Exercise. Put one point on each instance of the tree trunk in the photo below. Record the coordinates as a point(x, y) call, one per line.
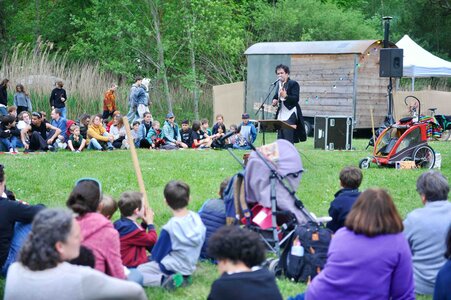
point(189, 27)
point(162, 66)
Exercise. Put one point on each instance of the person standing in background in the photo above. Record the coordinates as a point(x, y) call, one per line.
point(109, 102)
point(4, 97)
point(58, 98)
point(22, 99)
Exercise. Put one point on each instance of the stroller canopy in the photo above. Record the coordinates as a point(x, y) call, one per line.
point(285, 159)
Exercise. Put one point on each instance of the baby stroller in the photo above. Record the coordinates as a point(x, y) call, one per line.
point(404, 141)
point(262, 196)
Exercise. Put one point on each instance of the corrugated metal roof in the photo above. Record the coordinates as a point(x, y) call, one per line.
point(316, 47)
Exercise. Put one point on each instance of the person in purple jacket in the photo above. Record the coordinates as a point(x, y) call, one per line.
point(369, 258)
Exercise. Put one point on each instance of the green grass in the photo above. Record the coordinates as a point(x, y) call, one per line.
point(48, 178)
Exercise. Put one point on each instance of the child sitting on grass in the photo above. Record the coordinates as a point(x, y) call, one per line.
point(239, 253)
point(213, 215)
point(107, 207)
point(177, 250)
point(136, 239)
point(76, 141)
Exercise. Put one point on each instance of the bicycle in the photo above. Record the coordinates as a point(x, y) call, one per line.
point(444, 122)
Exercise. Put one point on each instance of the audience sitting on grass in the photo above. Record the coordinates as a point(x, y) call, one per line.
point(425, 229)
point(217, 142)
point(84, 122)
point(9, 134)
point(40, 135)
point(204, 127)
point(350, 180)
point(119, 133)
point(107, 206)
point(239, 253)
point(369, 258)
point(247, 134)
point(135, 133)
point(43, 272)
point(442, 290)
point(143, 131)
point(200, 139)
point(98, 137)
point(219, 123)
point(76, 142)
point(177, 250)
point(60, 123)
point(15, 219)
point(136, 239)
point(186, 134)
point(213, 215)
point(98, 232)
point(155, 138)
point(24, 120)
point(171, 132)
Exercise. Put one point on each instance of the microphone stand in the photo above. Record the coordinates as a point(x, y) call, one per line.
point(262, 107)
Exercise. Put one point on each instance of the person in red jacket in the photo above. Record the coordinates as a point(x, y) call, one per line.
point(136, 239)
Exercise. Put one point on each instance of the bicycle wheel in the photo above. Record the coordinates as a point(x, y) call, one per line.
point(424, 157)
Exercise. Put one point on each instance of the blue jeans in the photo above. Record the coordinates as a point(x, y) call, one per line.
point(94, 144)
point(9, 143)
point(63, 112)
point(135, 276)
point(21, 231)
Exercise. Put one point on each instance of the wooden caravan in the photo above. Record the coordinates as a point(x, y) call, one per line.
point(337, 78)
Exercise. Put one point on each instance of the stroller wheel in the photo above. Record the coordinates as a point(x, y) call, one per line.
point(273, 266)
point(364, 163)
point(424, 157)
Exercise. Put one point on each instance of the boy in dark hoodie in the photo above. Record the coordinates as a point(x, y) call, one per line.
point(350, 180)
point(9, 134)
point(135, 238)
point(177, 250)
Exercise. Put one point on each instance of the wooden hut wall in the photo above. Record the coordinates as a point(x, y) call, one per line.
point(327, 83)
point(371, 89)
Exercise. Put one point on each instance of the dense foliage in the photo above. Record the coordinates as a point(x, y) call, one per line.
point(156, 37)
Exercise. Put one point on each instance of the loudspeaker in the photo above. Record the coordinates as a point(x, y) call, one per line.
point(391, 62)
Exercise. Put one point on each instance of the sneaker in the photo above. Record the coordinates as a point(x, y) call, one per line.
point(110, 148)
point(172, 282)
point(187, 281)
point(51, 148)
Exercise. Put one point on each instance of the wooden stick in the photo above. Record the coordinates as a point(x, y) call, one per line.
point(372, 126)
point(134, 155)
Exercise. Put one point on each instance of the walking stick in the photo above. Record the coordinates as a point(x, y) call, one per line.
point(134, 155)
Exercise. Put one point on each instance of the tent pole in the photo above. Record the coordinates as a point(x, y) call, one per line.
point(413, 84)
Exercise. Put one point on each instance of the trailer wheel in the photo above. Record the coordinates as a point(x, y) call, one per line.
point(424, 157)
point(308, 128)
point(365, 163)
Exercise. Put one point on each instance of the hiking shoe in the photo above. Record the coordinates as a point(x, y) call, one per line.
point(172, 282)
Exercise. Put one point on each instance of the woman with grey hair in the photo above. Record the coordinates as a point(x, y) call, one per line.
point(43, 273)
point(425, 229)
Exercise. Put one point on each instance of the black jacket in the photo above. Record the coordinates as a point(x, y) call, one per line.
point(291, 101)
point(340, 207)
point(55, 98)
point(10, 213)
point(3, 96)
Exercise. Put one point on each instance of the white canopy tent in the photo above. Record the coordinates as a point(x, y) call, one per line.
point(418, 62)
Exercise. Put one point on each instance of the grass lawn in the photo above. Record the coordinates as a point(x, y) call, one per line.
point(48, 178)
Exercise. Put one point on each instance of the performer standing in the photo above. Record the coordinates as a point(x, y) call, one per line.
point(287, 101)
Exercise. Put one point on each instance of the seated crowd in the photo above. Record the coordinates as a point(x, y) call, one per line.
point(33, 132)
point(81, 253)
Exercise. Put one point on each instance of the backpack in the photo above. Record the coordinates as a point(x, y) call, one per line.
point(306, 252)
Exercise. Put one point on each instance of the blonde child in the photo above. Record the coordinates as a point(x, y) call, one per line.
point(76, 141)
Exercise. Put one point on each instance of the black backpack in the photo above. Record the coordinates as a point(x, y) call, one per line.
point(306, 252)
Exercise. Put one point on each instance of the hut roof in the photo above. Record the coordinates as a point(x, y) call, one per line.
point(316, 47)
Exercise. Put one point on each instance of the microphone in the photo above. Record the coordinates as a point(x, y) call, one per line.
point(278, 79)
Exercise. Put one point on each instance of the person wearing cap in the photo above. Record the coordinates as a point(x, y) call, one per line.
point(171, 132)
point(286, 99)
point(247, 134)
point(41, 134)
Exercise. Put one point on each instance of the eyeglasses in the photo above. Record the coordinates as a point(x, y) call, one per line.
point(88, 179)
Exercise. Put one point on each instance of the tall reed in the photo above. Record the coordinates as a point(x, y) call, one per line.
point(86, 84)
